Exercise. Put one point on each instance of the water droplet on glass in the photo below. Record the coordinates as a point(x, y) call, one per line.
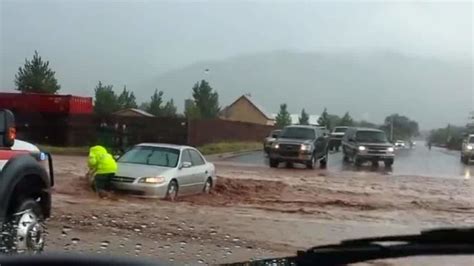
point(227, 236)
point(169, 234)
point(75, 240)
point(171, 259)
point(201, 261)
point(143, 225)
point(182, 243)
point(213, 233)
point(137, 230)
point(104, 244)
point(94, 217)
point(236, 239)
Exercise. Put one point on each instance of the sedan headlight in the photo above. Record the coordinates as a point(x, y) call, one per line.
point(153, 180)
point(361, 148)
point(469, 147)
point(390, 149)
point(276, 146)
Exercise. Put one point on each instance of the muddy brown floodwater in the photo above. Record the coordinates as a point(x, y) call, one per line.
point(254, 212)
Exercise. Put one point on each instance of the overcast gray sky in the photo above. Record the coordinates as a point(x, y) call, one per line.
point(132, 42)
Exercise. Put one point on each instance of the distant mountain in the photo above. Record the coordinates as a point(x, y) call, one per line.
point(370, 85)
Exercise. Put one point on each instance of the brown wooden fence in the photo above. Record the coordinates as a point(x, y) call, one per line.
point(215, 130)
point(85, 130)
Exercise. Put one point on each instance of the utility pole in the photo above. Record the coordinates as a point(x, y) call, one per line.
point(391, 128)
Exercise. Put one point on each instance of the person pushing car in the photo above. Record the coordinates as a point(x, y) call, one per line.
point(102, 168)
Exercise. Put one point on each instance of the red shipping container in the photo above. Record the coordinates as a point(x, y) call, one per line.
point(46, 103)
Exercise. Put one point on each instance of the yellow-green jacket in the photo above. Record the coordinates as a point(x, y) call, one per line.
point(101, 161)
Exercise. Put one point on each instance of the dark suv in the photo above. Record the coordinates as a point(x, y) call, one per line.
point(367, 144)
point(300, 144)
point(25, 191)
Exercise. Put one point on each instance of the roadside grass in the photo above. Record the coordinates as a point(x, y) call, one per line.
point(207, 149)
point(225, 147)
point(83, 150)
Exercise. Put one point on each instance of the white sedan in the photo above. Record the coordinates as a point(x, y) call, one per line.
point(163, 171)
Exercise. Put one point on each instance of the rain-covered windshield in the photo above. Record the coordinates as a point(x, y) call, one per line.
point(297, 133)
point(371, 136)
point(160, 119)
point(157, 156)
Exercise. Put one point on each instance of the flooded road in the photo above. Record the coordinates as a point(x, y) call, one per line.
point(257, 212)
point(420, 161)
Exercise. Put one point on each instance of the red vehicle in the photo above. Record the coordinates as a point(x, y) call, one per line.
point(45, 103)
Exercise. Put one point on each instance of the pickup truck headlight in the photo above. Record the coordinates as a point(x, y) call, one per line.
point(153, 180)
point(390, 149)
point(276, 146)
point(469, 147)
point(305, 147)
point(362, 148)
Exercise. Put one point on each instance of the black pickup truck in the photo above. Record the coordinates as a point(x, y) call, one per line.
point(25, 191)
point(300, 144)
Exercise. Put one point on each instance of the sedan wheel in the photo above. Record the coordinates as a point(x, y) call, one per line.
point(207, 186)
point(172, 192)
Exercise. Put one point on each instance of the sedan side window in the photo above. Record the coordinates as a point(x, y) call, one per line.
point(185, 157)
point(196, 158)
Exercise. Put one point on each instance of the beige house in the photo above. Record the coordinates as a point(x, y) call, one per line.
point(133, 112)
point(244, 109)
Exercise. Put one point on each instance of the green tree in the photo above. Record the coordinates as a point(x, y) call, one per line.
point(403, 127)
point(154, 106)
point(450, 136)
point(324, 119)
point(170, 109)
point(304, 118)
point(206, 100)
point(283, 117)
point(367, 124)
point(346, 120)
point(333, 120)
point(191, 111)
point(126, 99)
point(36, 76)
point(105, 101)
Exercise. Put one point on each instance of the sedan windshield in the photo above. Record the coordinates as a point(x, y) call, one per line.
point(371, 136)
point(159, 156)
point(297, 133)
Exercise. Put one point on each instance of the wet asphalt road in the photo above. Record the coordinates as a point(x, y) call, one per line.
point(420, 161)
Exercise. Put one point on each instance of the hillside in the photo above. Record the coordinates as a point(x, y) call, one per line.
point(369, 85)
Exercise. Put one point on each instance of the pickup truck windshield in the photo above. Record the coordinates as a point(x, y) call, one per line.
point(340, 129)
point(297, 133)
point(371, 136)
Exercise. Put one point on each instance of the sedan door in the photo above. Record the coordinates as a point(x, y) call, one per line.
point(185, 175)
point(201, 171)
